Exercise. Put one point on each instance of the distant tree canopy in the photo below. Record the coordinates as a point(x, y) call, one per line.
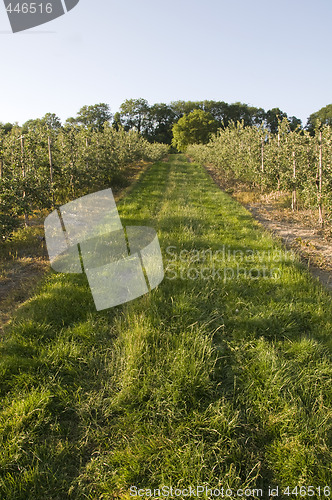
point(196, 127)
point(117, 121)
point(51, 120)
point(321, 117)
point(6, 127)
point(161, 120)
point(155, 122)
point(92, 117)
point(134, 114)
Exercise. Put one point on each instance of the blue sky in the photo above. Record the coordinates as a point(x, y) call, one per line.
point(261, 52)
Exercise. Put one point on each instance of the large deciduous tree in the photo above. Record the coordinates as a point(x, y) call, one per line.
point(50, 121)
point(134, 114)
point(6, 127)
point(273, 116)
point(195, 128)
point(93, 117)
point(321, 117)
point(161, 118)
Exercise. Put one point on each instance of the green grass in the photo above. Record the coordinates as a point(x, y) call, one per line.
point(221, 380)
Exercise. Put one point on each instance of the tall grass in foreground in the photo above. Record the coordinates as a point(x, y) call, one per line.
point(221, 376)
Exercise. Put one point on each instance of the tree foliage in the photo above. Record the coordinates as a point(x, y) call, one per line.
point(155, 122)
point(321, 117)
point(288, 160)
point(134, 114)
point(195, 128)
point(44, 164)
point(93, 117)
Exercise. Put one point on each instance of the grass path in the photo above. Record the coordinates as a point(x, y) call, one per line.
point(220, 377)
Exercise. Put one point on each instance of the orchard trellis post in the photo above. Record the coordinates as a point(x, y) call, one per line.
point(294, 200)
point(1, 156)
point(278, 160)
point(49, 143)
point(320, 181)
point(26, 218)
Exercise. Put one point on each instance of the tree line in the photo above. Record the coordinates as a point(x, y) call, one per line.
point(155, 122)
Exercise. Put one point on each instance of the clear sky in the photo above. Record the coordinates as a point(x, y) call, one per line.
point(261, 52)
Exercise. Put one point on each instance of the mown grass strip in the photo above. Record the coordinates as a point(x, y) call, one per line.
point(220, 377)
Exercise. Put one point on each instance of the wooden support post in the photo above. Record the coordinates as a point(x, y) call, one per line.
point(262, 156)
point(320, 181)
point(294, 200)
point(26, 218)
point(51, 168)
